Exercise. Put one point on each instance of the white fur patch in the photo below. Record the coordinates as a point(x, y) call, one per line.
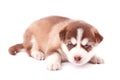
point(53, 61)
point(79, 36)
point(84, 41)
point(73, 41)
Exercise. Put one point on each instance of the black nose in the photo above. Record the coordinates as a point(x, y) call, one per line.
point(77, 58)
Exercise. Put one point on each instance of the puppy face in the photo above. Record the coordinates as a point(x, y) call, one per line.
point(78, 42)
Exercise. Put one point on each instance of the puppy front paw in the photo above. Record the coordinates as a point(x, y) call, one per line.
point(96, 60)
point(53, 61)
point(54, 66)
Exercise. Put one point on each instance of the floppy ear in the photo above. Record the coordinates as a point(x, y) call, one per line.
point(98, 37)
point(62, 34)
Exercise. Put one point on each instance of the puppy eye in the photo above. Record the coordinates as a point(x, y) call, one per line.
point(70, 45)
point(87, 46)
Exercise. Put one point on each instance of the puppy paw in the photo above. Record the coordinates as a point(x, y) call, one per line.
point(54, 66)
point(53, 61)
point(96, 60)
point(38, 55)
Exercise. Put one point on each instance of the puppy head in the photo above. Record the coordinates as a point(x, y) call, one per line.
point(78, 41)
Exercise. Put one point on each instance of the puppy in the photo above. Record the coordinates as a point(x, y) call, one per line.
point(59, 39)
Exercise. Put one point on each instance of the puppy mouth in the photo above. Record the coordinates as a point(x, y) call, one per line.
point(79, 62)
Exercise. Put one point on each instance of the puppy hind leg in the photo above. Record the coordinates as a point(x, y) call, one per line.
point(35, 52)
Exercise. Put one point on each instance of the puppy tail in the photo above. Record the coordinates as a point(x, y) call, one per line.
point(13, 50)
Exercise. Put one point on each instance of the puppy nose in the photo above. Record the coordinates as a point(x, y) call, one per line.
point(77, 58)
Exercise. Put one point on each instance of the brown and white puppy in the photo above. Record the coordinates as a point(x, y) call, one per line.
point(59, 39)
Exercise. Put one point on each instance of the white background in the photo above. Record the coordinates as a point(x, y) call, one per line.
point(17, 15)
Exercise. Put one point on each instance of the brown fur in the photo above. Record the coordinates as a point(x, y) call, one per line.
point(49, 31)
point(15, 49)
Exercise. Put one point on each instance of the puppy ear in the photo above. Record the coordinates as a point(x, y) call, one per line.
point(62, 34)
point(98, 37)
